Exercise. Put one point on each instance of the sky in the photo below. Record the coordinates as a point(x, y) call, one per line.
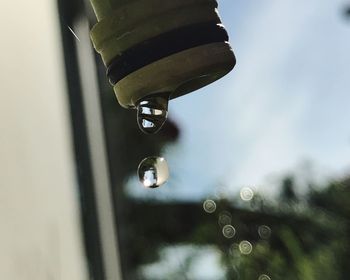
point(284, 108)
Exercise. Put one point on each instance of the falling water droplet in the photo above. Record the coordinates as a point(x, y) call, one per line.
point(264, 277)
point(246, 194)
point(225, 218)
point(209, 206)
point(245, 247)
point(264, 232)
point(234, 249)
point(229, 231)
point(152, 112)
point(153, 172)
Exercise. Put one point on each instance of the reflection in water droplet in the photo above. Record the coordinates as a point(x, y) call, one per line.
point(209, 206)
point(152, 112)
point(229, 231)
point(153, 172)
point(225, 218)
point(264, 232)
point(264, 277)
point(246, 194)
point(245, 247)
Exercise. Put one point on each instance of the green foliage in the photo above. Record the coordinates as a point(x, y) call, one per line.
point(309, 240)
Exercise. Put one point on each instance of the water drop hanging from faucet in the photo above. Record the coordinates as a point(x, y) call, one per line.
point(152, 113)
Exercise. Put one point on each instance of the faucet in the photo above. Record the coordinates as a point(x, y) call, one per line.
point(157, 50)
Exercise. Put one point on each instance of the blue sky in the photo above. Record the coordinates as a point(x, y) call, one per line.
point(286, 102)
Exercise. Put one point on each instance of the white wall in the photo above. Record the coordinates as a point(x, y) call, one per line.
point(40, 231)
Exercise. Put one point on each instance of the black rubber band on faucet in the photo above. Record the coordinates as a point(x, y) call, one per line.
point(164, 45)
